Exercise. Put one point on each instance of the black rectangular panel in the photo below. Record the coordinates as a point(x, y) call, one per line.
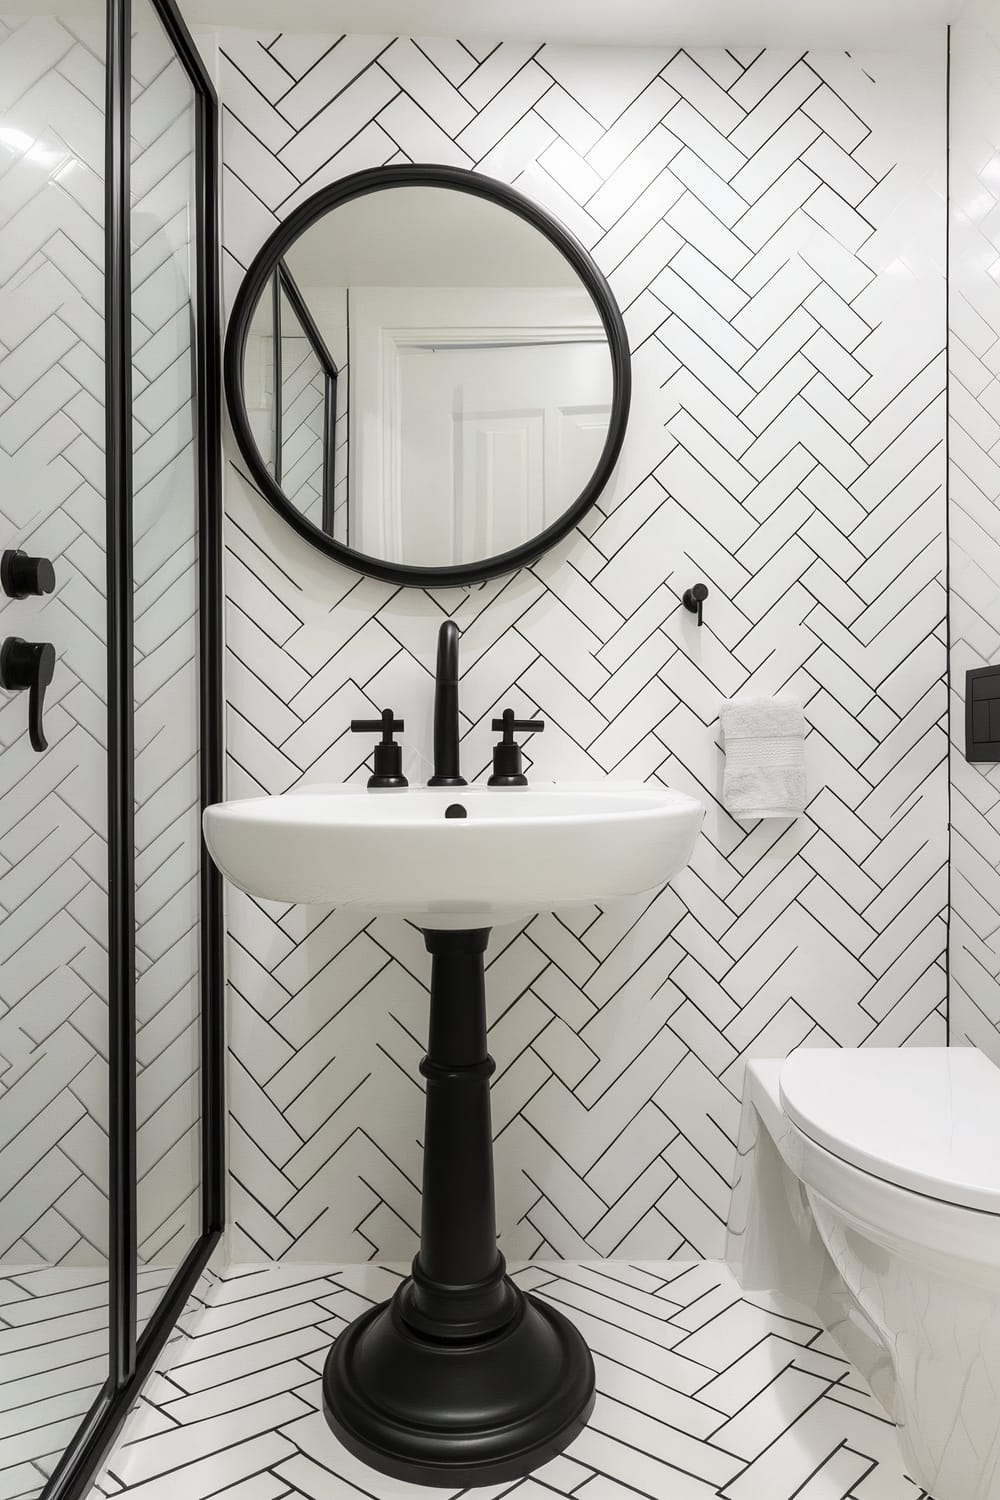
point(982, 714)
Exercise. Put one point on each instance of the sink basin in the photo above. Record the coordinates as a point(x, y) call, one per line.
point(517, 850)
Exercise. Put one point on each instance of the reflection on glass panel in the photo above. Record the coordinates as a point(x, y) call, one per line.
point(165, 582)
point(296, 434)
point(258, 378)
point(303, 416)
point(53, 837)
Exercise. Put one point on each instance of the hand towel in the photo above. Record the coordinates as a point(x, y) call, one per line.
point(765, 774)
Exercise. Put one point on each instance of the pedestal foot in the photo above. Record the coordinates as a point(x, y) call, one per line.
point(459, 1413)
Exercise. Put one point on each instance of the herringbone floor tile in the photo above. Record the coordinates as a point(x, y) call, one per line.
point(702, 1393)
point(54, 1348)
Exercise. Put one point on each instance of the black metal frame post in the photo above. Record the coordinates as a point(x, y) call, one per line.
point(277, 361)
point(461, 1379)
point(132, 1358)
point(121, 737)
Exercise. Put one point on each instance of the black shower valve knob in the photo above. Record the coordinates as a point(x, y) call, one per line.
point(21, 575)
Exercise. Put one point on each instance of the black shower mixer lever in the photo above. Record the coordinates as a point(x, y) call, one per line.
point(29, 665)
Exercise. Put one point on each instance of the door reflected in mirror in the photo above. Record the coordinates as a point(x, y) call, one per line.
point(427, 378)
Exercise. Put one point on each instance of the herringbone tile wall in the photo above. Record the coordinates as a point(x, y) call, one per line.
point(974, 431)
point(774, 229)
point(53, 852)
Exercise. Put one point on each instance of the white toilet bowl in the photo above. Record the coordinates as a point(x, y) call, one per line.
point(869, 1188)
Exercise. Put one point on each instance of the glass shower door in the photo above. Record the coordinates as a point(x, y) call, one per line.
point(54, 1317)
point(165, 524)
point(111, 1066)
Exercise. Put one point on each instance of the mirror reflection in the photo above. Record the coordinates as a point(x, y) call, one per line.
point(426, 377)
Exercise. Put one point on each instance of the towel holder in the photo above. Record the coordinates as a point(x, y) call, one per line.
point(694, 598)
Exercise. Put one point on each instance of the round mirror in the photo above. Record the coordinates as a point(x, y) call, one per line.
point(427, 375)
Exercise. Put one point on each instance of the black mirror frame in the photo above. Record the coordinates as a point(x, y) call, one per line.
point(262, 268)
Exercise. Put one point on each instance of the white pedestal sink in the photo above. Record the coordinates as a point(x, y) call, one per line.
point(460, 1379)
point(516, 850)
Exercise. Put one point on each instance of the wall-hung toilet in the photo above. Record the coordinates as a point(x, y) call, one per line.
point(868, 1188)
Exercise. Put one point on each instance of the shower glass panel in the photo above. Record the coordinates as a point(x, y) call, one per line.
point(165, 523)
point(111, 982)
point(54, 1090)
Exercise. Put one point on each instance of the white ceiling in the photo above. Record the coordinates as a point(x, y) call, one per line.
point(855, 23)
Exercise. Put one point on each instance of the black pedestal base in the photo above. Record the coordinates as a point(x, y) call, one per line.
point(446, 1412)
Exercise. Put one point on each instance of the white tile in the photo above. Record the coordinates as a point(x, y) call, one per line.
point(318, 79)
point(746, 310)
point(427, 86)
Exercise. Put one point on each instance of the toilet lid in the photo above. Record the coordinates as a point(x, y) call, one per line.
point(924, 1118)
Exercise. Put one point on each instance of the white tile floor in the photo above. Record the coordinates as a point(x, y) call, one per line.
point(53, 1362)
point(702, 1393)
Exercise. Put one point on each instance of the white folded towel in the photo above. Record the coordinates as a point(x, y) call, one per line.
point(765, 773)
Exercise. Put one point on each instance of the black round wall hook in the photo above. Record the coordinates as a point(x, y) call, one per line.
point(694, 598)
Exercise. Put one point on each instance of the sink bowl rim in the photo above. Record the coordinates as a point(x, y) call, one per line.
point(350, 848)
point(658, 801)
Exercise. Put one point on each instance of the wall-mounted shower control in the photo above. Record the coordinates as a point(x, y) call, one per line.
point(21, 575)
point(29, 665)
point(388, 760)
point(508, 768)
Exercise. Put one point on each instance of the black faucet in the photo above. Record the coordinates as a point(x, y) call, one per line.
point(446, 766)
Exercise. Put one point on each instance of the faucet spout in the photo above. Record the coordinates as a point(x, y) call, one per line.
point(446, 760)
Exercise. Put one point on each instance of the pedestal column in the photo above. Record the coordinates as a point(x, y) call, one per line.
point(458, 1287)
point(460, 1379)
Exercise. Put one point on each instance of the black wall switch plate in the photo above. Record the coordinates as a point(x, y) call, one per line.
point(982, 714)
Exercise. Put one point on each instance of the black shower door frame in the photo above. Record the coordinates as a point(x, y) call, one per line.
point(132, 1356)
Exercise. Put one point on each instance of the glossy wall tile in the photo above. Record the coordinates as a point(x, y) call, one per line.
point(974, 479)
point(774, 228)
